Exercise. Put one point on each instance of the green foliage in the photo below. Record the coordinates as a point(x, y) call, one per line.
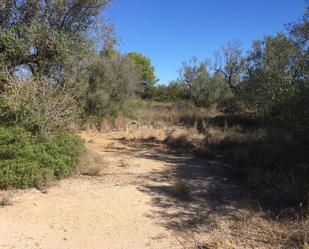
point(47, 34)
point(270, 85)
point(36, 104)
point(113, 80)
point(18, 173)
point(145, 70)
point(276, 89)
point(195, 84)
point(25, 157)
point(230, 105)
point(173, 92)
point(300, 31)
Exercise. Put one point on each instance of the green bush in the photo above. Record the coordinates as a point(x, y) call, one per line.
point(18, 173)
point(25, 157)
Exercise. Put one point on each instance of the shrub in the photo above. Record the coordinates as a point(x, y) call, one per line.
point(183, 141)
point(26, 157)
point(44, 181)
point(60, 154)
point(36, 104)
point(5, 201)
point(181, 190)
point(113, 81)
point(18, 173)
point(91, 164)
point(276, 162)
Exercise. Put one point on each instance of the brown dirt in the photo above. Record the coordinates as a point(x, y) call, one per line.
point(132, 205)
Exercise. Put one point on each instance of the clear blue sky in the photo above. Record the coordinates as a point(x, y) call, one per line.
point(171, 31)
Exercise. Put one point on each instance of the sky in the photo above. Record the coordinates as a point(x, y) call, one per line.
point(172, 31)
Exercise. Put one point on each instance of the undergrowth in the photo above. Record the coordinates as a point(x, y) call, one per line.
point(27, 158)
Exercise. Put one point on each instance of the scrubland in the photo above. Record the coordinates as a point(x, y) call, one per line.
point(94, 153)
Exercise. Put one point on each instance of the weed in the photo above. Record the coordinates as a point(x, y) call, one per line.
point(44, 181)
point(5, 201)
point(181, 190)
point(91, 164)
point(93, 171)
point(179, 142)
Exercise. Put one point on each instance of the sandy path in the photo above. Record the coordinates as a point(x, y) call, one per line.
point(86, 212)
point(133, 204)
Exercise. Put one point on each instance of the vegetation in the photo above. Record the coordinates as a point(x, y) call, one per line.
point(112, 81)
point(43, 61)
point(53, 72)
point(145, 71)
point(266, 95)
point(59, 66)
point(25, 157)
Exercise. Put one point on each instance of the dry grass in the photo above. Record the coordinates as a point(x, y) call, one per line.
point(254, 226)
point(248, 227)
point(276, 233)
point(114, 146)
point(200, 131)
point(91, 164)
point(160, 115)
point(183, 141)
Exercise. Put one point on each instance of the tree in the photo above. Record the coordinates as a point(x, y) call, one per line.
point(113, 80)
point(231, 64)
point(273, 75)
point(192, 74)
point(37, 105)
point(300, 30)
point(199, 85)
point(145, 69)
point(43, 36)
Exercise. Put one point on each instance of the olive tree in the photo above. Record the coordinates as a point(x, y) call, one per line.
point(113, 79)
point(43, 35)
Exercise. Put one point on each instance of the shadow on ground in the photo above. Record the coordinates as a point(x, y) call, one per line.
point(211, 188)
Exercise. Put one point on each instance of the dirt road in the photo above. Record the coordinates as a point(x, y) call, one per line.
point(132, 205)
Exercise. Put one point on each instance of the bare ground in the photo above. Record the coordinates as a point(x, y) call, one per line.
point(133, 204)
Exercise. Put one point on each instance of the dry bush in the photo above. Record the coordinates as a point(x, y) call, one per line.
point(181, 190)
point(253, 226)
point(93, 171)
point(89, 126)
point(5, 201)
point(44, 181)
point(181, 141)
point(120, 122)
point(287, 233)
point(191, 140)
point(105, 126)
point(37, 104)
point(91, 164)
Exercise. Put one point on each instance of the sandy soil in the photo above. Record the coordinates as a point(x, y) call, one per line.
point(132, 205)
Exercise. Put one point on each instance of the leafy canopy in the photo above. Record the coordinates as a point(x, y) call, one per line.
point(145, 69)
